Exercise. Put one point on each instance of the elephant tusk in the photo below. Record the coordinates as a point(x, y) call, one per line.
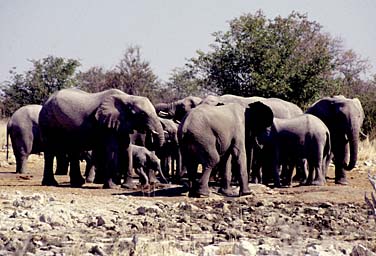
point(154, 132)
point(365, 136)
point(162, 114)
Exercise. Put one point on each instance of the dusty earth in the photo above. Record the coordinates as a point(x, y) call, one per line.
point(302, 220)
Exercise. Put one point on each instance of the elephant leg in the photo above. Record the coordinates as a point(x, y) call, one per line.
point(21, 161)
point(239, 158)
point(225, 188)
point(90, 173)
point(128, 163)
point(203, 185)
point(48, 175)
point(339, 163)
point(62, 164)
point(76, 179)
point(144, 180)
point(319, 177)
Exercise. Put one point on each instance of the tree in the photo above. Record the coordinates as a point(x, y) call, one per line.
point(182, 83)
point(47, 75)
point(290, 58)
point(132, 75)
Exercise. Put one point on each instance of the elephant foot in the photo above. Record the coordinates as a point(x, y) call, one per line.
point(245, 192)
point(226, 192)
point(89, 179)
point(128, 183)
point(109, 184)
point(77, 183)
point(23, 172)
point(342, 181)
point(197, 195)
point(49, 182)
point(318, 183)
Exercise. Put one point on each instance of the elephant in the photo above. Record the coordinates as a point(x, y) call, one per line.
point(208, 135)
point(23, 130)
point(344, 118)
point(178, 109)
point(144, 162)
point(72, 121)
point(280, 108)
point(169, 153)
point(289, 141)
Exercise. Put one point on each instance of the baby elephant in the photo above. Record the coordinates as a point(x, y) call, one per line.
point(146, 164)
point(289, 141)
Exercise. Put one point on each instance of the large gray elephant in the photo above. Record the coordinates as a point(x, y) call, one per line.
point(23, 130)
point(178, 109)
point(208, 135)
point(72, 121)
point(281, 109)
point(344, 118)
point(289, 141)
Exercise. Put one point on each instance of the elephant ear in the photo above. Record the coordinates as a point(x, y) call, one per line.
point(111, 113)
point(261, 117)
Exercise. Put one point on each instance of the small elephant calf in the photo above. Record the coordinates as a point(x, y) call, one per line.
point(145, 163)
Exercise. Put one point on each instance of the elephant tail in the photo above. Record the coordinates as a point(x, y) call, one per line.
point(7, 134)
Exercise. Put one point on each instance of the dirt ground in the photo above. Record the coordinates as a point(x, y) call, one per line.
point(352, 193)
point(334, 217)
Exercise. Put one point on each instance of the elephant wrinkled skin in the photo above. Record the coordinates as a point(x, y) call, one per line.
point(344, 118)
point(209, 135)
point(72, 121)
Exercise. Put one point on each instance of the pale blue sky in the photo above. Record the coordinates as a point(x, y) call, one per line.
point(168, 31)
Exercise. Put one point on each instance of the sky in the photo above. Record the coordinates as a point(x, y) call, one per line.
point(169, 32)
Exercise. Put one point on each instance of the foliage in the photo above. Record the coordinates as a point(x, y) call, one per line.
point(132, 75)
point(182, 83)
point(47, 75)
point(289, 58)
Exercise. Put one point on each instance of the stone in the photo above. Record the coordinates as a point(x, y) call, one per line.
point(210, 250)
point(361, 250)
point(245, 248)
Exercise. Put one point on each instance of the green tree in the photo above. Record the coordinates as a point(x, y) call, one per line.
point(132, 75)
point(182, 83)
point(290, 58)
point(47, 75)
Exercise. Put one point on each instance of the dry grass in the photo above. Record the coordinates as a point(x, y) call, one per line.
point(3, 132)
point(367, 150)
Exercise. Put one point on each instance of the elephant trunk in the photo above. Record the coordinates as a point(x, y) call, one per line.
point(353, 137)
point(156, 128)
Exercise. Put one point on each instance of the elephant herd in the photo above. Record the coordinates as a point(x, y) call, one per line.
point(233, 138)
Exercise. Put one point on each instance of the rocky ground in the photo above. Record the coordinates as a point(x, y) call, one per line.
point(328, 220)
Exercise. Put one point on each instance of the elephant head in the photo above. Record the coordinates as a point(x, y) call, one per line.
point(344, 118)
point(258, 118)
point(177, 109)
point(126, 113)
point(350, 112)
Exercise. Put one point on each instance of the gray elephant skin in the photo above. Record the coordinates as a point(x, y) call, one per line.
point(72, 121)
point(145, 163)
point(289, 141)
point(178, 109)
point(344, 118)
point(280, 108)
point(208, 135)
point(23, 130)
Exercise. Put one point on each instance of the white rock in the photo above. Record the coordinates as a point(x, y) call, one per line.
point(210, 250)
point(361, 250)
point(244, 247)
